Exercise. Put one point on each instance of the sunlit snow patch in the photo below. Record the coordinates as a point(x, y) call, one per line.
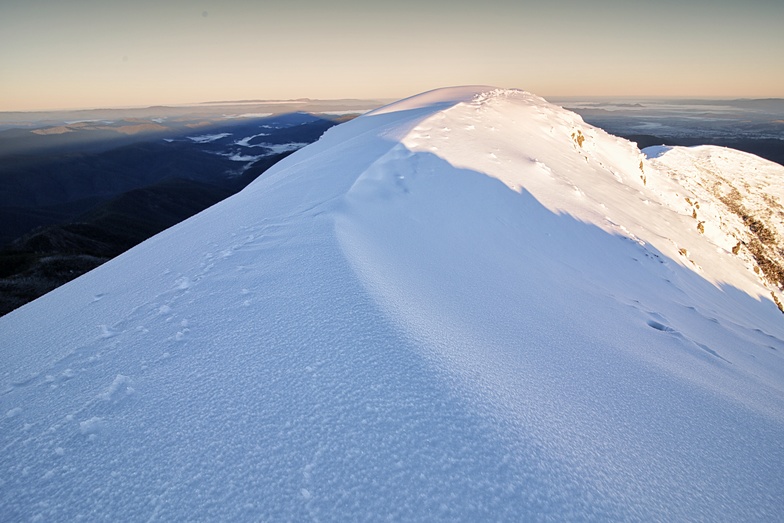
point(247, 115)
point(245, 142)
point(236, 157)
point(344, 112)
point(207, 138)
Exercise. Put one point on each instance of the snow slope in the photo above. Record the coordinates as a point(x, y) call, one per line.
point(468, 305)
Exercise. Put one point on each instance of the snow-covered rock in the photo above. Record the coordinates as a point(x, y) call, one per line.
point(467, 305)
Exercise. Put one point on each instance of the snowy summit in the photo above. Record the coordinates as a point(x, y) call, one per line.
point(467, 305)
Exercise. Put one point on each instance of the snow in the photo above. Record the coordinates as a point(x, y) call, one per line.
point(236, 157)
point(207, 138)
point(271, 148)
point(343, 112)
point(469, 305)
point(245, 142)
point(434, 100)
point(249, 115)
point(278, 148)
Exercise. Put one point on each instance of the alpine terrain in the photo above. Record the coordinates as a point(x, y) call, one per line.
point(466, 305)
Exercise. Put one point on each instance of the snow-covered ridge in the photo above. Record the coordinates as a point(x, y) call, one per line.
point(521, 139)
point(736, 200)
point(467, 305)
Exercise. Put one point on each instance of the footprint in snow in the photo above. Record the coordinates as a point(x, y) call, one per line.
point(659, 326)
point(164, 309)
point(92, 427)
point(665, 328)
point(107, 332)
point(181, 334)
point(118, 390)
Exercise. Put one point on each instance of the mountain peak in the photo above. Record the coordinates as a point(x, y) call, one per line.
point(572, 167)
point(469, 304)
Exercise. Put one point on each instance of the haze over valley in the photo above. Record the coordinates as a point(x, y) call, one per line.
point(79, 188)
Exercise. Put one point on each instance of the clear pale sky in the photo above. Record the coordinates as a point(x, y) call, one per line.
point(101, 53)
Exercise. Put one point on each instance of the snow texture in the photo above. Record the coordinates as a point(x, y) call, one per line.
point(248, 115)
point(468, 305)
point(207, 138)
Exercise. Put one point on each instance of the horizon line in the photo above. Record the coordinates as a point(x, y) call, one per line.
point(383, 101)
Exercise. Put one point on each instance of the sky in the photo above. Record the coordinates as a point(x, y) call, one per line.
point(109, 53)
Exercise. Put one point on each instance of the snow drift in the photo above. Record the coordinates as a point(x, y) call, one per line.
point(466, 305)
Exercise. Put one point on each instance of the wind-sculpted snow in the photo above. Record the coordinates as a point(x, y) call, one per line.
point(466, 306)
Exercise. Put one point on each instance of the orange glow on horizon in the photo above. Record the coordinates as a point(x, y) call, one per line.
point(79, 55)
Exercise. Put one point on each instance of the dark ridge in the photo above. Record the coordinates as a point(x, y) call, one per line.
point(66, 213)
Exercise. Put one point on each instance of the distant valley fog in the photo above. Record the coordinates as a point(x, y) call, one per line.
point(80, 187)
